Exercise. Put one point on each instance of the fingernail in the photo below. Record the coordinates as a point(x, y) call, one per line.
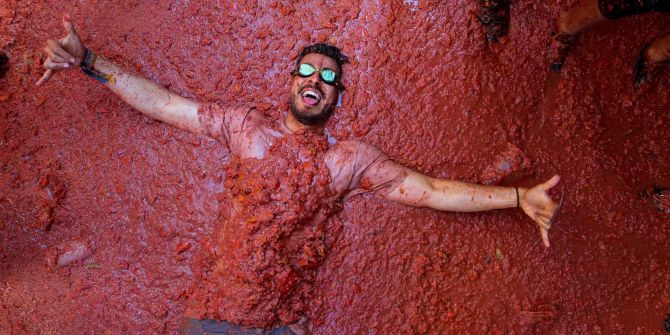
point(67, 65)
point(72, 60)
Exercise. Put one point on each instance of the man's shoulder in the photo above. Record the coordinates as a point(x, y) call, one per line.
point(352, 152)
point(227, 121)
point(350, 160)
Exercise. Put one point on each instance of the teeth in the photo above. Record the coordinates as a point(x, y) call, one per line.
point(312, 94)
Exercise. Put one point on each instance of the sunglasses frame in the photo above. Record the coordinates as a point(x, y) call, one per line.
point(336, 82)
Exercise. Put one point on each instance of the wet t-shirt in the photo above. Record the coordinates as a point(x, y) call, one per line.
point(355, 166)
point(281, 189)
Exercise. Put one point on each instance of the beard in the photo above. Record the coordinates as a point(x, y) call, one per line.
point(311, 119)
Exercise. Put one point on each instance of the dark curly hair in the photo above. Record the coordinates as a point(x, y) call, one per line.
point(327, 50)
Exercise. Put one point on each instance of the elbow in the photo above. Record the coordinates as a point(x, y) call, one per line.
point(440, 196)
point(419, 191)
point(430, 194)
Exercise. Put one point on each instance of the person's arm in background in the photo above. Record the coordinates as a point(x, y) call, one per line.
point(144, 95)
point(419, 190)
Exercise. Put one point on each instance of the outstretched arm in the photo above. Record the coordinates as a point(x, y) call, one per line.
point(449, 195)
point(151, 99)
point(144, 95)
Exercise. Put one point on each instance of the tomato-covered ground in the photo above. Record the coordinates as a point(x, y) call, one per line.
point(123, 202)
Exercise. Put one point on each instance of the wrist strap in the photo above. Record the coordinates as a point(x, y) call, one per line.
point(87, 66)
point(517, 196)
point(89, 59)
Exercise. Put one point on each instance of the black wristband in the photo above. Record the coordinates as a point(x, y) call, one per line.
point(517, 196)
point(87, 66)
point(86, 62)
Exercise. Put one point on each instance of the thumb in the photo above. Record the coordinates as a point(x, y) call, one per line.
point(551, 182)
point(69, 27)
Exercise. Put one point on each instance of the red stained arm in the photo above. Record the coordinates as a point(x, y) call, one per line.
point(450, 195)
point(150, 98)
point(360, 167)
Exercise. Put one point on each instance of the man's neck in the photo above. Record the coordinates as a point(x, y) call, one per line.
point(296, 126)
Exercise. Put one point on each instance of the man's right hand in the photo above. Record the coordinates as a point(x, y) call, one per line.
point(144, 95)
point(66, 53)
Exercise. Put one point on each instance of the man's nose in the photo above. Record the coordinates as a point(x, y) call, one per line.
point(315, 78)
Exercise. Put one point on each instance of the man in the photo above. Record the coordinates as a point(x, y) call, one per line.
point(284, 181)
point(588, 12)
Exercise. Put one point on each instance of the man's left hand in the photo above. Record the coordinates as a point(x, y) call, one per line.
point(537, 204)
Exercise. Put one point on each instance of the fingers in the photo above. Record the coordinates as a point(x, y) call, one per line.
point(45, 77)
point(544, 212)
point(55, 49)
point(551, 182)
point(543, 222)
point(545, 236)
point(51, 65)
point(57, 57)
point(544, 230)
point(53, 56)
point(69, 27)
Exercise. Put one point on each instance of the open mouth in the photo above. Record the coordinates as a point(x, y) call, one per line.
point(311, 97)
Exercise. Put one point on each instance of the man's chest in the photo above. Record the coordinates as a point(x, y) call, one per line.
point(254, 142)
point(291, 160)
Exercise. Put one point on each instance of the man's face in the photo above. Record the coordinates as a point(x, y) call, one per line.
point(311, 99)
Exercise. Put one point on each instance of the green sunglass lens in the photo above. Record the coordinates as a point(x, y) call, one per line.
point(306, 70)
point(328, 75)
